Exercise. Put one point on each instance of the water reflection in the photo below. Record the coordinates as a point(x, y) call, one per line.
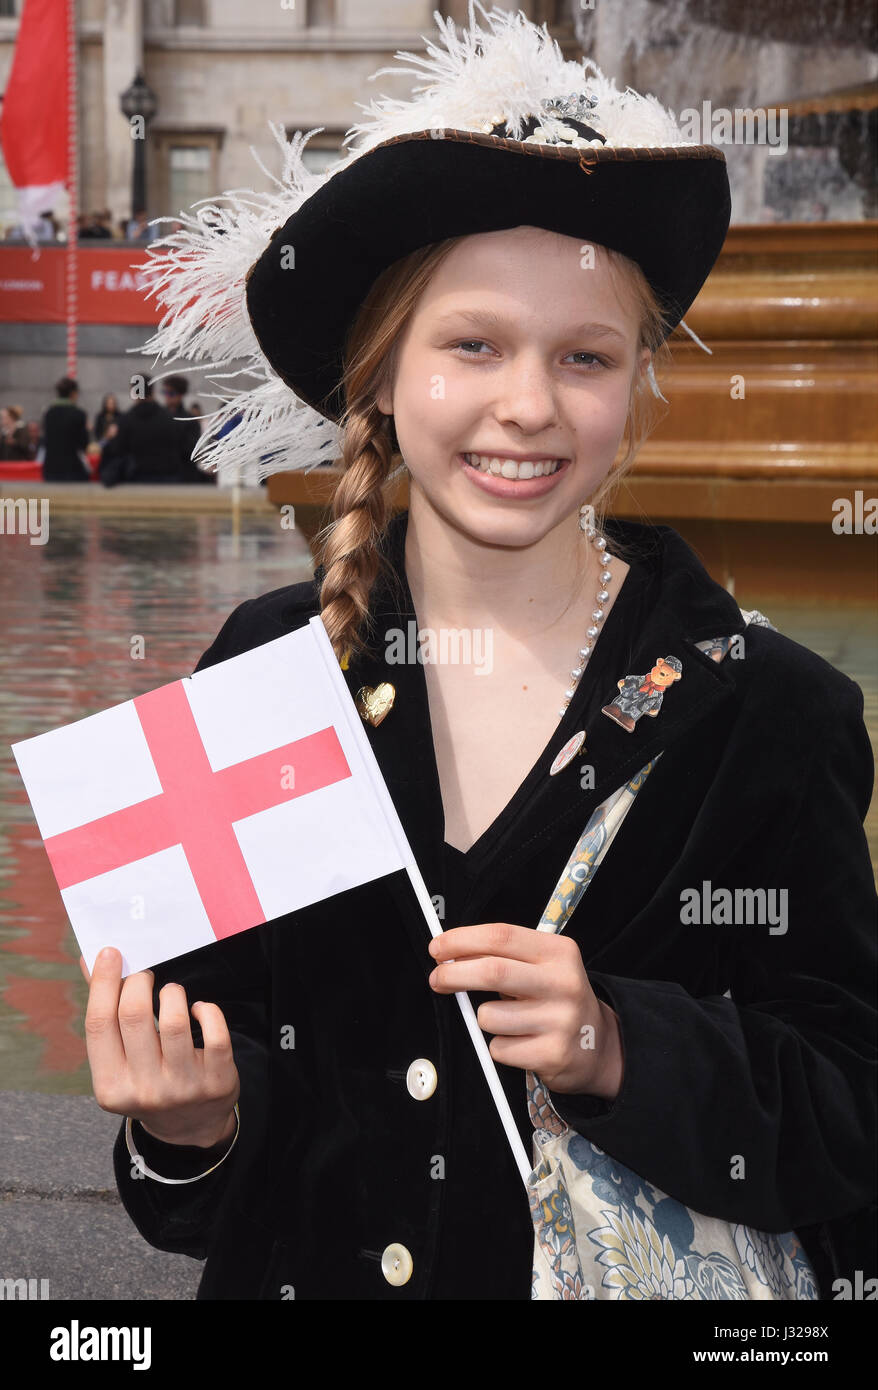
point(68, 613)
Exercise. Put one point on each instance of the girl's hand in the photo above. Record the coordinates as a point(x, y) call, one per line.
point(548, 1018)
point(181, 1094)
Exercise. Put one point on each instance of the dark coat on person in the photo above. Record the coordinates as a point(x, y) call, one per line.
point(150, 447)
point(738, 1043)
point(17, 447)
point(191, 432)
point(64, 435)
point(102, 422)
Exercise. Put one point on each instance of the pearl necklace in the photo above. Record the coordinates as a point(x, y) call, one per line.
point(586, 523)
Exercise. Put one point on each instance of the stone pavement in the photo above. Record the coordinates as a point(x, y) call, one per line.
point(60, 1217)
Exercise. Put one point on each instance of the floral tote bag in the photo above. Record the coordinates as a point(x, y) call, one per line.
point(602, 1232)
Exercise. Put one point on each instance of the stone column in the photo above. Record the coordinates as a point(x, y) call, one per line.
point(123, 55)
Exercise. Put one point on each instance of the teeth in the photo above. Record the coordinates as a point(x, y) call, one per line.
point(510, 468)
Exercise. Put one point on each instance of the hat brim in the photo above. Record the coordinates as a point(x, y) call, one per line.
point(667, 209)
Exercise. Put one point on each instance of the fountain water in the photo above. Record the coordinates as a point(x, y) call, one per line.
point(815, 63)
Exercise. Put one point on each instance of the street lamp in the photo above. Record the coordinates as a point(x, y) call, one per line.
point(138, 100)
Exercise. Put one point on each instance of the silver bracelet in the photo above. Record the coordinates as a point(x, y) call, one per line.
point(138, 1159)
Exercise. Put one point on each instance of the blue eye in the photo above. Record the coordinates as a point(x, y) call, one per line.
point(595, 360)
point(466, 344)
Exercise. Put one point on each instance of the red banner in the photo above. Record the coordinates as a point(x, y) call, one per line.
point(34, 128)
point(110, 290)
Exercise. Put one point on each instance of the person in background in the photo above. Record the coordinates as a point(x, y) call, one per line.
point(45, 229)
point(65, 436)
point(34, 438)
point(106, 420)
point(137, 229)
point(89, 228)
point(14, 441)
point(103, 222)
point(148, 447)
point(174, 389)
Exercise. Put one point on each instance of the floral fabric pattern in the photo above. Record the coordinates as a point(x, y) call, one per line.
point(602, 1232)
point(605, 1234)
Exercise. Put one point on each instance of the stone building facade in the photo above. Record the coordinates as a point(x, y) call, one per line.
point(220, 70)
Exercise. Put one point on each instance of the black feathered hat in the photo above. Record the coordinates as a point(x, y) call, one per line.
point(504, 132)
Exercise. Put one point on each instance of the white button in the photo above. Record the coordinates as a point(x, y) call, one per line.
point(421, 1079)
point(396, 1265)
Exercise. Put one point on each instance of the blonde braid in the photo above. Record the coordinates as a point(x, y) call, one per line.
point(350, 544)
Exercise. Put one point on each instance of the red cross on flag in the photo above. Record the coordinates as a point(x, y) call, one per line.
point(219, 802)
point(213, 804)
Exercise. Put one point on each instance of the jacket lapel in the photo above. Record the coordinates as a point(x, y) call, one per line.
point(558, 808)
point(403, 747)
point(691, 607)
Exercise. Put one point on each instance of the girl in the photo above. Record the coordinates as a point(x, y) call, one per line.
point(487, 291)
point(107, 420)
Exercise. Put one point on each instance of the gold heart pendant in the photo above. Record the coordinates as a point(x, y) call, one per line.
point(375, 702)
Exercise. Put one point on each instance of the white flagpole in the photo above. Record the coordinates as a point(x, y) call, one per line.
point(507, 1119)
point(486, 1061)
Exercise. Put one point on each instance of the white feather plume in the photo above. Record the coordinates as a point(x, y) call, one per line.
point(509, 69)
point(197, 273)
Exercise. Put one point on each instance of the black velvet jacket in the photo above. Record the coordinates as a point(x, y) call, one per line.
point(737, 1041)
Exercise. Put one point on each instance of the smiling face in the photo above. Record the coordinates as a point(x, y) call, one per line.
point(518, 351)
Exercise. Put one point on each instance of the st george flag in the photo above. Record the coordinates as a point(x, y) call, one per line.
point(212, 804)
point(218, 802)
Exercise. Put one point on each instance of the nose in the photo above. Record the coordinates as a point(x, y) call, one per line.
point(525, 395)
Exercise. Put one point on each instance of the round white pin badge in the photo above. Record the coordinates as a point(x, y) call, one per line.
point(568, 752)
